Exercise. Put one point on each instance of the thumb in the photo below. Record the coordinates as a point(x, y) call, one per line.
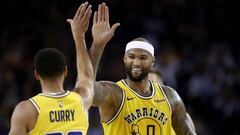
point(114, 27)
point(69, 20)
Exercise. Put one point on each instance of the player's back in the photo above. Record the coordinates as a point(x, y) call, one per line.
point(61, 114)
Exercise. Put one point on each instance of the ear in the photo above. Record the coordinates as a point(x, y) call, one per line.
point(65, 71)
point(153, 61)
point(36, 75)
point(124, 58)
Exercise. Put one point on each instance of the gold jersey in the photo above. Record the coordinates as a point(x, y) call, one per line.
point(139, 115)
point(61, 114)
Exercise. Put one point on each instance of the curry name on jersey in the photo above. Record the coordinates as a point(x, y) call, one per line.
point(61, 114)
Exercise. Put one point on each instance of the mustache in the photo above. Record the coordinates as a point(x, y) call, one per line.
point(138, 78)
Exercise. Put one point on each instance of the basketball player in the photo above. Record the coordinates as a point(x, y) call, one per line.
point(156, 76)
point(56, 111)
point(135, 105)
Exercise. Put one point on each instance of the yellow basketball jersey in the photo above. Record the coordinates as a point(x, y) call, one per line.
point(140, 115)
point(62, 114)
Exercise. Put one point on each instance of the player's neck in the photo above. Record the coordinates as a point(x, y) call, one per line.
point(55, 86)
point(143, 87)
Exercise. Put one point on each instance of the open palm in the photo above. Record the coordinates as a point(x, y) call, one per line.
point(101, 30)
point(80, 22)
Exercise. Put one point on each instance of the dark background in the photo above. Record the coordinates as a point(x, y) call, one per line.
point(195, 43)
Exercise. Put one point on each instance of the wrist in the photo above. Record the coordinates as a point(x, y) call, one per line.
point(98, 45)
point(79, 37)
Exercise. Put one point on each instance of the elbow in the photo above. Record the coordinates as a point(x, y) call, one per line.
point(84, 87)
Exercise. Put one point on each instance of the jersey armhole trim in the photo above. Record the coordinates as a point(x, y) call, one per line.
point(161, 89)
point(119, 109)
point(35, 105)
point(83, 107)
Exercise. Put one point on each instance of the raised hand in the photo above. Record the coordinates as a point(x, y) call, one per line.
point(80, 22)
point(101, 30)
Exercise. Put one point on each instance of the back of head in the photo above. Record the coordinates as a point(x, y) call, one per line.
point(49, 63)
point(155, 71)
point(155, 75)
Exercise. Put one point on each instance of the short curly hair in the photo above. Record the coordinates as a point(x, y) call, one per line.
point(49, 63)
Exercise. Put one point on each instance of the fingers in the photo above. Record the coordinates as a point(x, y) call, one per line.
point(87, 13)
point(83, 9)
point(95, 18)
point(106, 14)
point(103, 11)
point(79, 10)
point(99, 13)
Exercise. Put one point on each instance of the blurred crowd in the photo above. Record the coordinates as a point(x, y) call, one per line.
point(195, 48)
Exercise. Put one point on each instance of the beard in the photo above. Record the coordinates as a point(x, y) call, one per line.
point(138, 78)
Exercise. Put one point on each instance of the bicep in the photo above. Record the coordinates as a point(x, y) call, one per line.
point(101, 93)
point(85, 89)
point(106, 93)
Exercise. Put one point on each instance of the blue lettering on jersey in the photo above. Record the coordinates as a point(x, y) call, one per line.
point(146, 112)
point(61, 115)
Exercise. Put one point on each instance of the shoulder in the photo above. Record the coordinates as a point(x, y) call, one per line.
point(23, 117)
point(107, 92)
point(172, 95)
point(108, 96)
point(109, 85)
point(25, 107)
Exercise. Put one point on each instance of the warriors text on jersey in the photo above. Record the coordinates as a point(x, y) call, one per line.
point(61, 114)
point(140, 115)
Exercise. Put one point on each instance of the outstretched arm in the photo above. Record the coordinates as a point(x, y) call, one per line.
point(101, 33)
point(181, 124)
point(107, 95)
point(79, 25)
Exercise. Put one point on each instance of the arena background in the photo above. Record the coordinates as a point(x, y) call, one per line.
point(196, 51)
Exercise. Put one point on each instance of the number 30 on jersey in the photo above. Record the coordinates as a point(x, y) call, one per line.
point(69, 133)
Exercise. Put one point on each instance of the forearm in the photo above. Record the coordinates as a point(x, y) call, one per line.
point(95, 55)
point(182, 125)
point(79, 25)
point(185, 130)
point(84, 65)
point(84, 84)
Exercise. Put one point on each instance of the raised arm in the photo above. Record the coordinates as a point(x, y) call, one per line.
point(101, 33)
point(79, 25)
point(180, 122)
point(107, 95)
